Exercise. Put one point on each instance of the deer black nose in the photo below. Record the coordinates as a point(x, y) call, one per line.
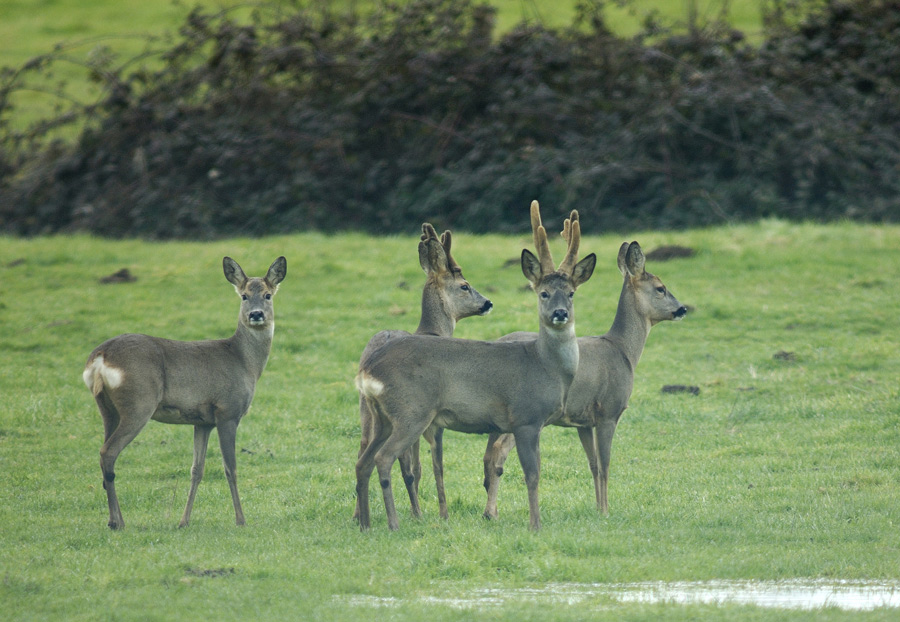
point(486, 307)
point(680, 313)
point(560, 316)
point(257, 316)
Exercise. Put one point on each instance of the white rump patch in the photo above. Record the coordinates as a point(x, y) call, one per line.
point(97, 374)
point(369, 386)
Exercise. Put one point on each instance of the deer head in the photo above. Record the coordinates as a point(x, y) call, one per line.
point(556, 287)
point(257, 311)
point(652, 298)
point(456, 297)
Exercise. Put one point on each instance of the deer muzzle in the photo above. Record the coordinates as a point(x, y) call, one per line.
point(486, 307)
point(560, 316)
point(256, 318)
point(679, 313)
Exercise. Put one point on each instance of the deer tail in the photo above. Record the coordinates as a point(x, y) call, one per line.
point(98, 374)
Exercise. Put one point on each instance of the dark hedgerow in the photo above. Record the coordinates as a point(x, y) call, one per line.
point(312, 119)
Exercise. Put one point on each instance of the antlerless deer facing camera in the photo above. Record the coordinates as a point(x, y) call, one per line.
point(206, 384)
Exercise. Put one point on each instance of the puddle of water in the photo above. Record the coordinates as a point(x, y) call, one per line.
point(853, 596)
point(795, 594)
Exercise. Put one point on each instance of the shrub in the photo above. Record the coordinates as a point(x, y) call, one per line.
point(311, 119)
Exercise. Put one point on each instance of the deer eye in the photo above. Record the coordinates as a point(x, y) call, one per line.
point(571, 294)
point(661, 290)
point(268, 296)
point(244, 297)
point(465, 288)
point(545, 295)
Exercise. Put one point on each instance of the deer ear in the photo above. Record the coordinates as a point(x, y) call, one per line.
point(277, 272)
point(620, 260)
point(584, 269)
point(531, 267)
point(233, 272)
point(634, 259)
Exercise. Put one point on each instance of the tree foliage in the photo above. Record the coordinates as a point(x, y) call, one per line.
point(313, 119)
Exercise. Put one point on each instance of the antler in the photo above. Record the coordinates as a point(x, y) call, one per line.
point(431, 250)
point(540, 239)
point(571, 233)
point(428, 232)
point(446, 242)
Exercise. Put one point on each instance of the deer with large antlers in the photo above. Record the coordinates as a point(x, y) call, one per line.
point(206, 384)
point(447, 297)
point(416, 382)
point(605, 377)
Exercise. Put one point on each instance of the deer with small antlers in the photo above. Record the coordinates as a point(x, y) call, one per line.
point(605, 377)
point(447, 297)
point(206, 384)
point(416, 382)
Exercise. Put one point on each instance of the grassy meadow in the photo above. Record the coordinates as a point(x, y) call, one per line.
point(34, 32)
point(785, 466)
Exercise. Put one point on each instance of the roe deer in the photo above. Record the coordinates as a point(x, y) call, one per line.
point(605, 377)
point(206, 384)
point(446, 298)
point(413, 383)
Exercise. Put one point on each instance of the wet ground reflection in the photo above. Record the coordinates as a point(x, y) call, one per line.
point(856, 596)
point(794, 594)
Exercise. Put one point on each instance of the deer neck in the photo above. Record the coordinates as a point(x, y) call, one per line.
point(558, 350)
point(629, 329)
point(435, 319)
point(252, 346)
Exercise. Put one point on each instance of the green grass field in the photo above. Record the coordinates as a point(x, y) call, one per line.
point(785, 467)
point(34, 32)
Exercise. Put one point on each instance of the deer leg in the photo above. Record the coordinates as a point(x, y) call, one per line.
point(588, 438)
point(364, 467)
point(409, 463)
point(227, 436)
point(110, 422)
point(119, 431)
point(498, 448)
point(109, 414)
point(366, 423)
point(400, 439)
point(415, 467)
point(201, 441)
point(605, 431)
point(529, 450)
point(435, 438)
point(489, 458)
point(384, 463)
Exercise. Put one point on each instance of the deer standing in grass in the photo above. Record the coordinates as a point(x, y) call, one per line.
point(446, 298)
point(605, 377)
point(413, 383)
point(206, 384)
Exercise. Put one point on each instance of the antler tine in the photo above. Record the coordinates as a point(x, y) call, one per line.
point(447, 242)
point(566, 233)
point(540, 239)
point(428, 232)
point(571, 233)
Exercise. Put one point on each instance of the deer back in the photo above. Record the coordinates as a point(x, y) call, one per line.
point(464, 385)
